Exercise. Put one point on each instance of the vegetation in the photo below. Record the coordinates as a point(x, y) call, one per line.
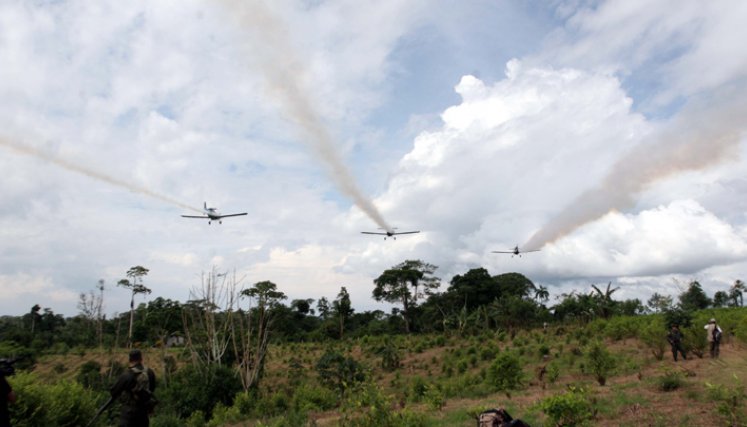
point(243, 356)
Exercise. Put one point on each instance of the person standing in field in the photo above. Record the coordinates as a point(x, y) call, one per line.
point(713, 333)
point(675, 340)
point(135, 387)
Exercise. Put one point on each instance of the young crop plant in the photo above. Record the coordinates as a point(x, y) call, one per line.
point(599, 362)
point(571, 408)
point(670, 380)
point(730, 401)
point(505, 373)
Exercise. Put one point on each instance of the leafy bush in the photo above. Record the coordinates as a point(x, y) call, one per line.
point(571, 408)
point(553, 372)
point(729, 401)
point(390, 359)
point(654, 336)
point(367, 406)
point(434, 397)
point(192, 389)
point(670, 380)
point(339, 372)
point(505, 373)
point(63, 404)
point(313, 398)
point(599, 362)
point(89, 375)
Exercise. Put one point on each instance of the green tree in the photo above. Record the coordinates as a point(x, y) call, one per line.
point(135, 285)
point(34, 316)
point(322, 307)
point(342, 307)
point(405, 283)
point(659, 303)
point(735, 293)
point(721, 299)
point(694, 298)
point(250, 342)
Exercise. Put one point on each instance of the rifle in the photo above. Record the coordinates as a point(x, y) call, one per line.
point(100, 411)
point(6, 366)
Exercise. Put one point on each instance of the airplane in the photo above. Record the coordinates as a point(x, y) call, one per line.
point(390, 233)
point(211, 214)
point(515, 251)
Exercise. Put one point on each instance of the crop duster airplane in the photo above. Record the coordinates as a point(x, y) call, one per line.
point(211, 214)
point(515, 251)
point(389, 233)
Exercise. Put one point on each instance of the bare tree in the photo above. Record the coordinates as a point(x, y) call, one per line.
point(91, 306)
point(207, 318)
point(251, 331)
point(136, 286)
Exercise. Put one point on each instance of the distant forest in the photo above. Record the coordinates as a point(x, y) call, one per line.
point(472, 302)
point(232, 353)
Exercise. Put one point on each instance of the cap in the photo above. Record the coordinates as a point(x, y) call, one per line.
point(135, 355)
point(712, 320)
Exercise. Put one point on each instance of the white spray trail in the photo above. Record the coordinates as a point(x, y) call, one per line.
point(697, 139)
point(71, 166)
point(283, 73)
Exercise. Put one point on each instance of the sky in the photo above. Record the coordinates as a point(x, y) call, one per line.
point(609, 134)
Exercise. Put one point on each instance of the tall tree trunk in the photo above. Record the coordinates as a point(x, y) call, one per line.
point(132, 316)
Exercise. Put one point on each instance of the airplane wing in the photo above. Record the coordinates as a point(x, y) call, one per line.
point(533, 250)
point(503, 252)
point(406, 232)
point(195, 216)
point(236, 214)
point(371, 232)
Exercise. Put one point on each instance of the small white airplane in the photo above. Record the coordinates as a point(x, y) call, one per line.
point(211, 214)
point(515, 251)
point(389, 233)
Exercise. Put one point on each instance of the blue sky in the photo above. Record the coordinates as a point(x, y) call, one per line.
point(609, 133)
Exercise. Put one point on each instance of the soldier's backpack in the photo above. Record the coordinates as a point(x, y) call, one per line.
point(498, 418)
point(717, 334)
point(489, 418)
point(141, 394)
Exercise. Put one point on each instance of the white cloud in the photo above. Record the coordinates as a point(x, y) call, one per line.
point(167, 96)
point(22, 291)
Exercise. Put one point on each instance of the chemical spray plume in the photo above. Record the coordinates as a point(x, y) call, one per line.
point(68, 165)
point(283, 73)
point(696, 139)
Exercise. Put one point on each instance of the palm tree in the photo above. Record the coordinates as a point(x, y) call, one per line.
point(606, 303)
point(541, 294)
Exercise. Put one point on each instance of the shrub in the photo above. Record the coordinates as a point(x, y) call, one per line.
point(654, 335)
point(417, 389)
point(192, 389)
point(89, 375)
point(367, 406)
point(571, 408)
point(670, 380)
point(313, 398)
point(505, 373)
point(599, 362)
point(729, 401)
point(339, 372)
point(434, 397)
point(62, 404)
point(553, 372)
